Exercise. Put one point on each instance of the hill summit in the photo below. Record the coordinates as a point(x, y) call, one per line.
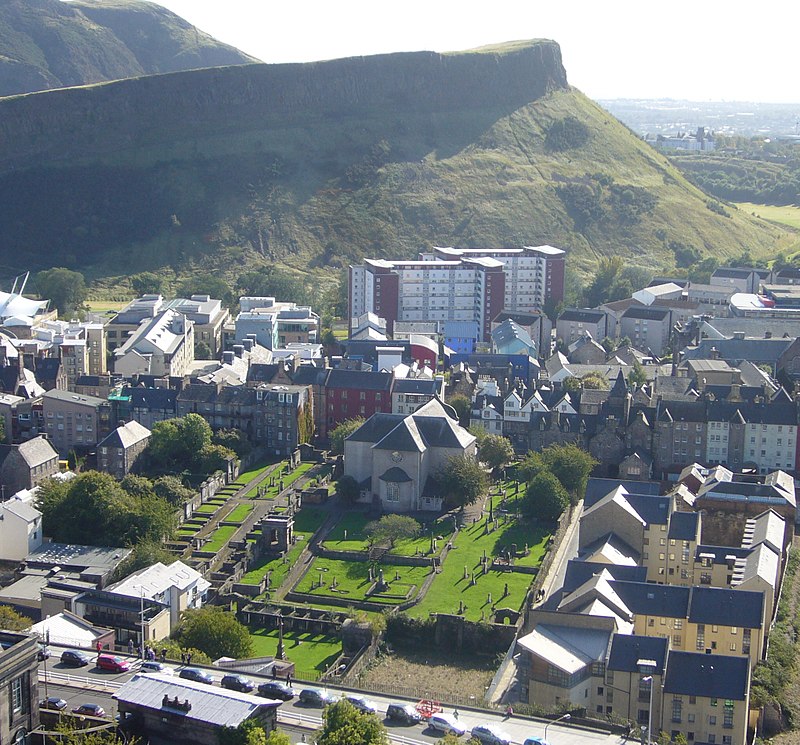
point(320, 164)
point(51, 44)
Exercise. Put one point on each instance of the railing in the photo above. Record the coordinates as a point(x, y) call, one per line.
point(77, 681)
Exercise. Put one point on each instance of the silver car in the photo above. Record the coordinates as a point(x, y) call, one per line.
point(490, 734)
point(446, 724)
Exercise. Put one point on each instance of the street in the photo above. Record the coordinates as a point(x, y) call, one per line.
point(90, 685)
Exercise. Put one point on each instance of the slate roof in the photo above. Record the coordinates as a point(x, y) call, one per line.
point(719, 605)
point(683, 526)
point(627, 650)
point(125, 435)
point(710, 676)
point(720, 554)
point(579, 572)
point(597, 488)
point(152, 398)
point(395, 475)
point(509, 331)
point(210, 704)
point(734, 350)
point(415, 385)
point(654, 600)
point(358, 380)
point(405, 437)
point(36, 451)
point(581, 315)
point(569, 649)
point(647, 313)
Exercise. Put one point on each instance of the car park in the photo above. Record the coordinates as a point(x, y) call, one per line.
point(113, 662)
point(316, 697)
point(237, 683)
point(364, 705)
point(446, 724)
point(490, 734)
point(151, 666)
point(403, 713)
point(53, 703)
point(90, 710)
point(75, 658)
point(197, 675)
point(277, 690)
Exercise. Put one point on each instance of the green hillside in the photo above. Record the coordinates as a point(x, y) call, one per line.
point(49, 43)
point(314, 166)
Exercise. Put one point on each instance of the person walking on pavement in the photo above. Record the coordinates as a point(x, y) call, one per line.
point(455, 713)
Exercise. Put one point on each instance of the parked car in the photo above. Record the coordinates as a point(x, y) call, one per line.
point(53, 703)
point(446, 723)
point(237, 683)
point(197, 675)
point(75, 658)
point(151, 666)
point(277, 690)
point(403, 713)
point(535, 741)
point(43, 653)
point(490, 734)
point(316, 697)
point(364, 705)
point(90, 710)
point(113, 662)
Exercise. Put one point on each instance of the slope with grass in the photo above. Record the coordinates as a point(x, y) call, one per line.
point(318, 165)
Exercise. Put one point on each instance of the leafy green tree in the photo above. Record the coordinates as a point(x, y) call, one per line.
point(463, 406)
point(529, 466)
point(251, 732)
point(172, 490)
point(392, 528)
point(545, 498)
point(138, 486)
point(343, 724)
point(566, 134)
point(10, 620)
point(462, 480)
point(347, 489)
point(572, 384)
point(206, 284)
point(233, 439)
point(213, 458)
point(65, 288)
point(341, 432)
point(214, 631)
point(637, 376)
point(175, 650)
point(147, 283)
point(594, 381)
point(143, 555)
point(571, 465)
point(277, 283)
point(495, 451)
point(184, 444)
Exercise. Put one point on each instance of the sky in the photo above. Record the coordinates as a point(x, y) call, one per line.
point(612, 49)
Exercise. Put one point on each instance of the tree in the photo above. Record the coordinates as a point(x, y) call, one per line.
point(277, 283)
point(343, 724)
point(495, 451)
point(571, 465)
point(63, 287)
point(143, 555)
point(10, 620)
point(233, 439)
point(347, 489)
point(463, 406)
point(594, 381)
point(184, 444)
point(214, 631)
point(529, 466)
point(147, 283)
point(206, 284)
point(392, 528)
point(545, 497)
point(251, 732)
point(213, 458)
point(637, 376)
point(172, 490)
point(138, 486)
point(341, 432)
point(462, 480)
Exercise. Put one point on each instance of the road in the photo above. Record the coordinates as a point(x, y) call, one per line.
point(90, 685)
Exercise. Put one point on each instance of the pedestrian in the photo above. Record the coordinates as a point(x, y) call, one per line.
point(509, 711)
point(183, 658)
point(274, 672)
point(188, 658)
point(163, 654)
point(99, 647)
point(288, 679)
point(455, 713)
point(139, 651)
point(130, 646)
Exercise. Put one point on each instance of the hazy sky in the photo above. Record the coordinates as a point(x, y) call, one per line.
point(612, 49)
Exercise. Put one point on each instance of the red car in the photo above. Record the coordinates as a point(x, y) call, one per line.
point(113, 662)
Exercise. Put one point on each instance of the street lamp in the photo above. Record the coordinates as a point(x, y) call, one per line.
point(649, 678)
point(565, 717)
point(141, 619)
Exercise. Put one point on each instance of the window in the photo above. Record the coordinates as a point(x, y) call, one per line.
point(690, 717)
point(392, 492)
point(727, 720)
point(17, 695)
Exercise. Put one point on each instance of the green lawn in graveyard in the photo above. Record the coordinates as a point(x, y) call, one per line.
point(271, 492)
point(354, 523)
point(450, 588)
point(187, 532)
point(219, 538)
point(352, 581)
point(306, 523)
point(310, 652)
point(239, 513)
point(207, 509)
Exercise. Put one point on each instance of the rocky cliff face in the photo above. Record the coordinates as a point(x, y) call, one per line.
point(90, 122)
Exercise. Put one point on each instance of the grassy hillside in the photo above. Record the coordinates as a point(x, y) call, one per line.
point(49, 44)
point(314, 166)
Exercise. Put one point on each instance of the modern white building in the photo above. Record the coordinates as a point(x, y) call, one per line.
point(20, 529)
point(275, 324)
point(164, 345)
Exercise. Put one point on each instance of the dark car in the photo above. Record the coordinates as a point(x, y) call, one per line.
point(90, 710)
point(403, 713)
point(197, 675)
point(365, 706)
point(237, 683)
point(75, 658)
point(277, 690)
point(316, 697)
point(53, 703)
point(43, 653)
